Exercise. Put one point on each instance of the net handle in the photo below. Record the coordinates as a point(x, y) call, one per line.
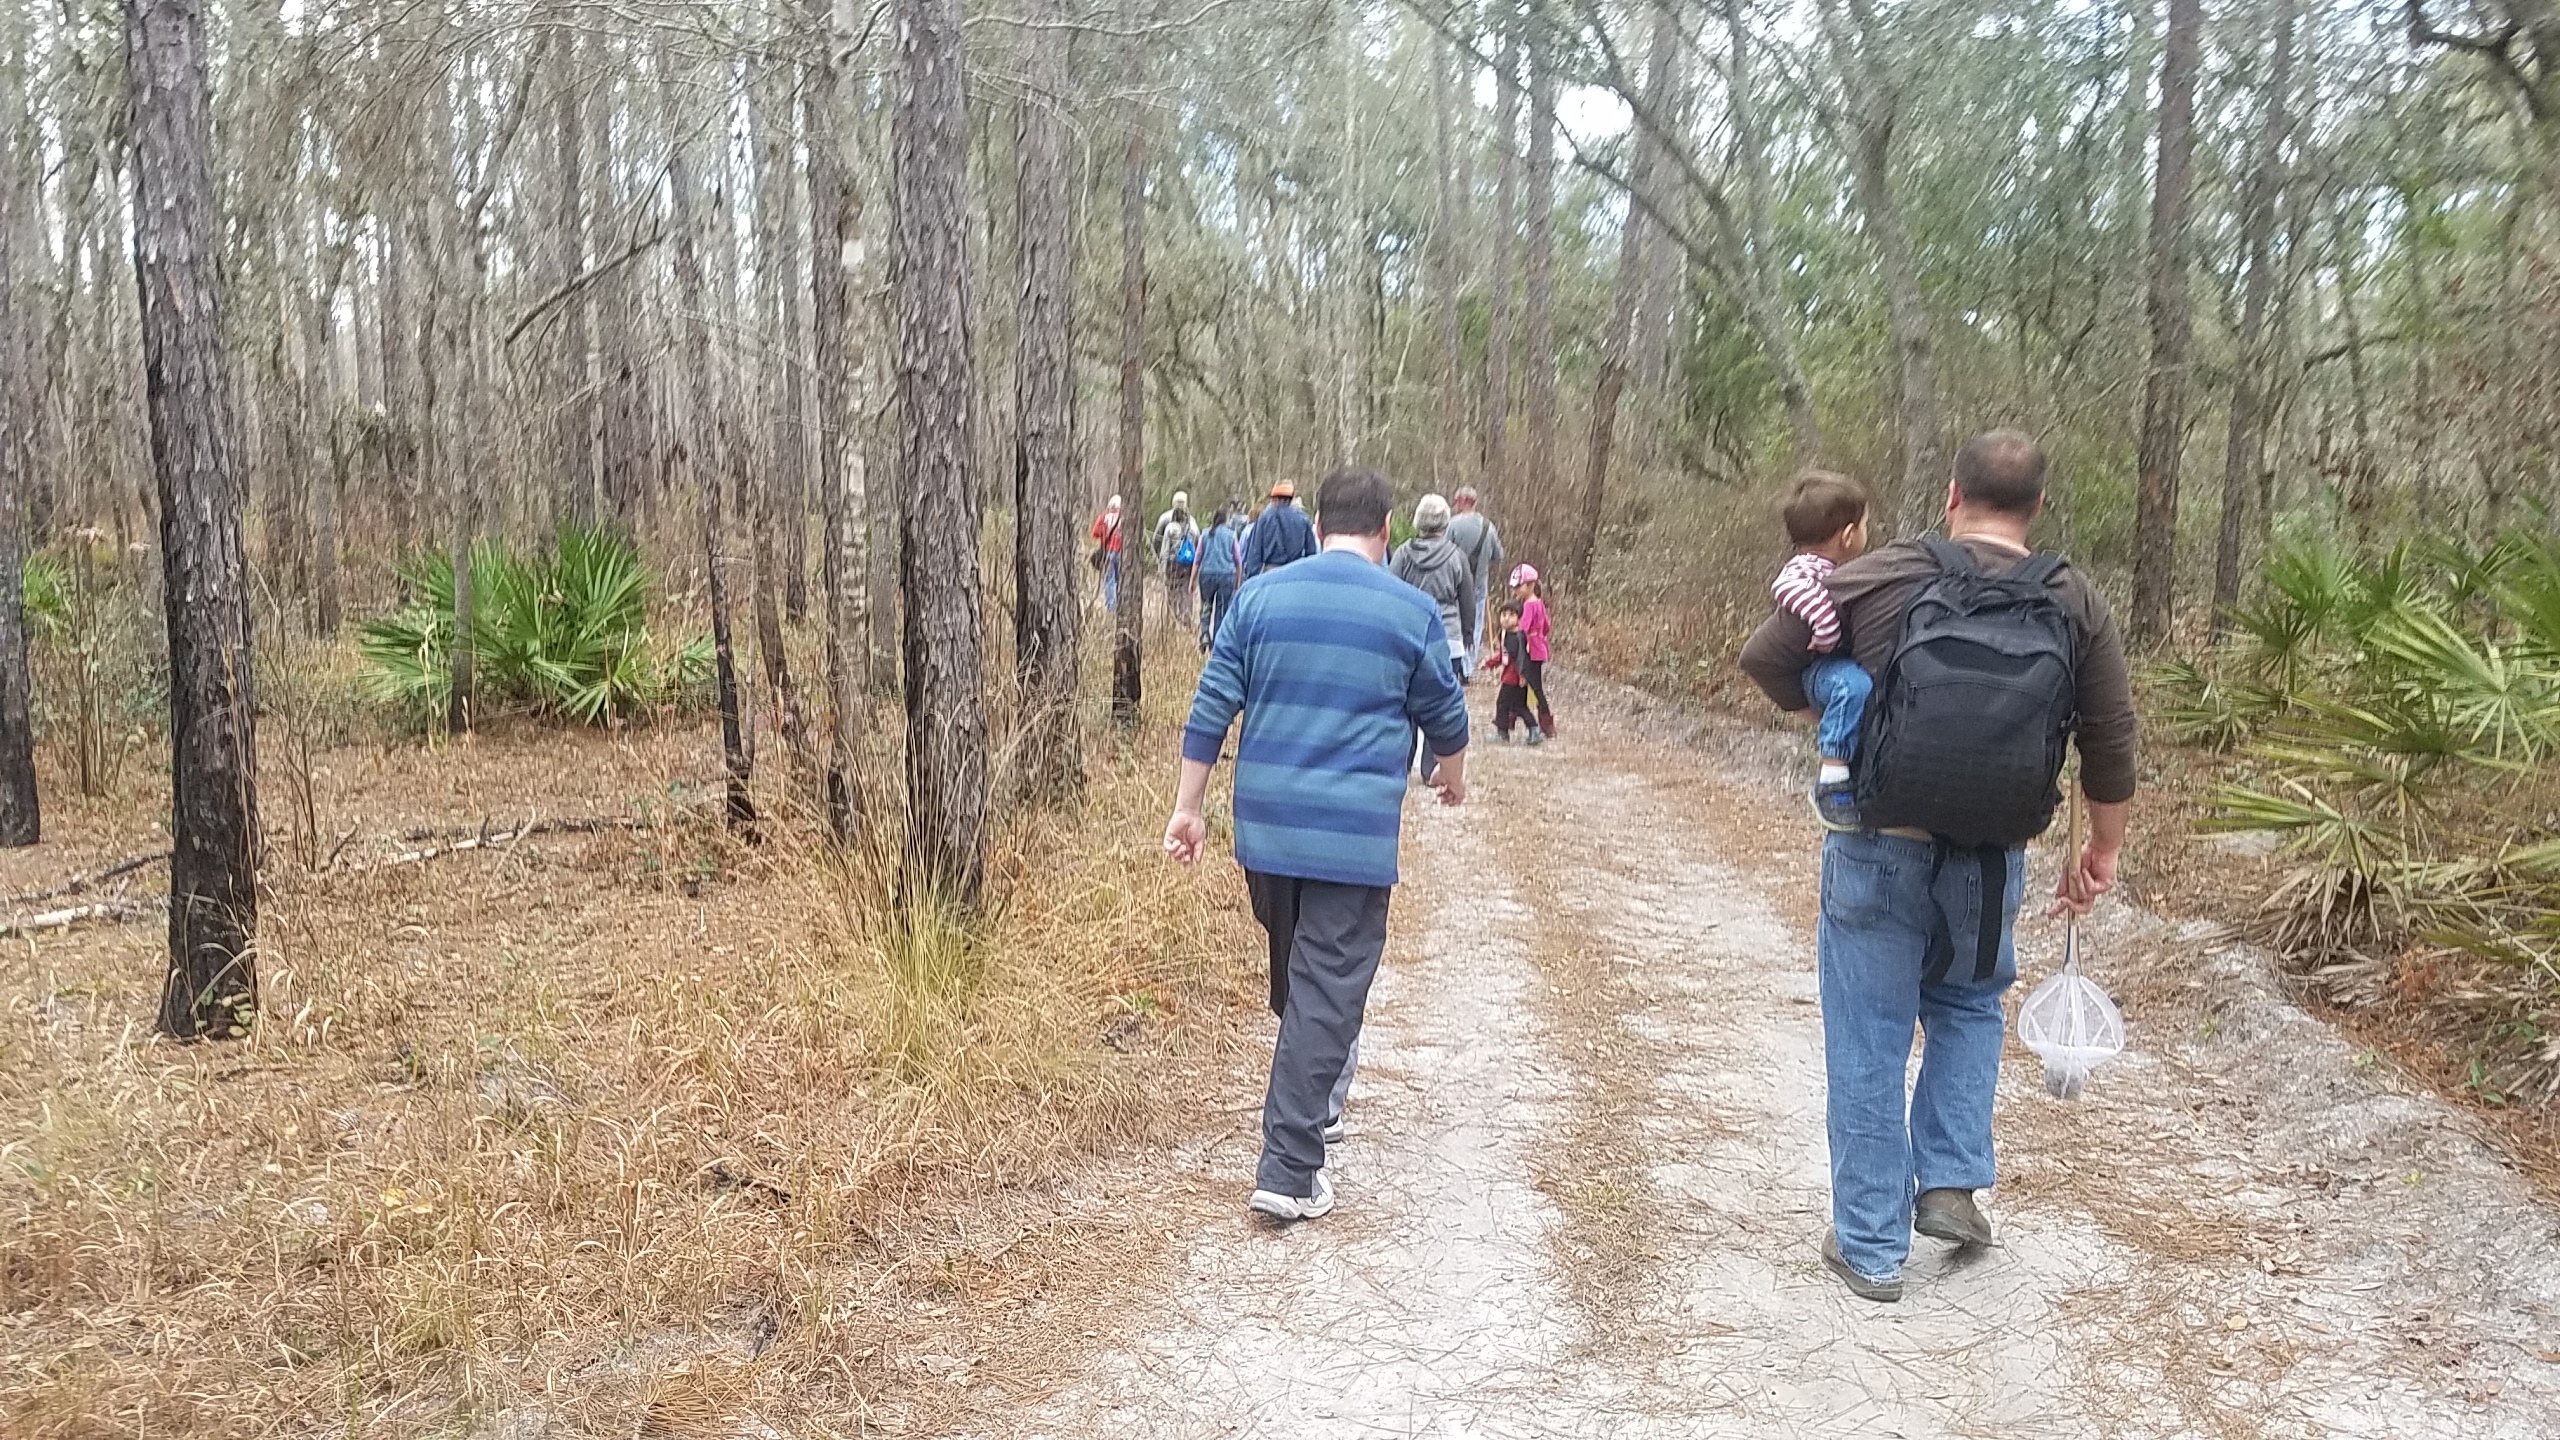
point(2071, 856)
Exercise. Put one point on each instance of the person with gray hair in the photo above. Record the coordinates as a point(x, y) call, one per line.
point(1431, 564)
point(1471, 532)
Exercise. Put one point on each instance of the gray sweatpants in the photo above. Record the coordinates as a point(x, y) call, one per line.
point(1332, 937)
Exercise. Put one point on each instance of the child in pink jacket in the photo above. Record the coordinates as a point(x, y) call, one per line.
point(1534, 626)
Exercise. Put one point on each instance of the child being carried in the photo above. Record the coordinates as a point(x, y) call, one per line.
point(1826, 517)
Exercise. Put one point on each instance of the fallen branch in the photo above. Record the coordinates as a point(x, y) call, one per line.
point(78, 883)
point(486, 839)
point(110, 910)
point(592, 825)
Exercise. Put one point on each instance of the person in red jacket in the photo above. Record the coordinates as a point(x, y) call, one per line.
point(1106, 555)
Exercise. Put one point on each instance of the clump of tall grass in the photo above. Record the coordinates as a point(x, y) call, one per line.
point(2393, 716)
point(563, 632)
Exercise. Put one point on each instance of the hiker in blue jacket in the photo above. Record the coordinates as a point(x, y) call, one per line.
point(1333, 663)
point(1220, 571)
point(1282, 535)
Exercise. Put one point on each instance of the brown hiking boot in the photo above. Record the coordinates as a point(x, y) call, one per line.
point(1882, 1291)
point(1951, 1215)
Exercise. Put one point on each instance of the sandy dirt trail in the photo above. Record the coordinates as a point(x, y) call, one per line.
point(1587, 1175)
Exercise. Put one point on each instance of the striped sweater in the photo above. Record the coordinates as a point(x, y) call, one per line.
point(1803, 589)
point(1333, 663)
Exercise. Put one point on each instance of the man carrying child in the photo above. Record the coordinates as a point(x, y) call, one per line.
point(1988, 659)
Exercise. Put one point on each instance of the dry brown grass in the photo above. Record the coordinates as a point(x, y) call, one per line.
point(644, 1132)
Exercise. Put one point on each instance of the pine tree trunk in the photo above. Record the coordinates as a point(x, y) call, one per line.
point(830, 226)
point(328, 383)
point(574, 447)
point(706, 449)
point(1048, 595)
point(1755, 246)
point(1634, 248)
point(1448, 471)
point(1538, 291)
point(1128, 650)
point(2245, 442)
point(777, 490)
point(213, 867)
point(2164, 395)
point(21, 818)
point(1506, 228)
point(1875, 104)
point(946, 849)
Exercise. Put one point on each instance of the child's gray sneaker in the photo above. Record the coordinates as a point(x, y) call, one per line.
point(1836, 806)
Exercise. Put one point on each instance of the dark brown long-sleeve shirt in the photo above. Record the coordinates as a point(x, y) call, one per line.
point(1872, 593)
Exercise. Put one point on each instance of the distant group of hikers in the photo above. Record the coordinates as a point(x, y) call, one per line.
point(1452, 557)
point(1947, 676)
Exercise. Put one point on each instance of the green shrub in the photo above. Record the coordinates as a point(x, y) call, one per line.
point(2396, 717)
point(563, 633)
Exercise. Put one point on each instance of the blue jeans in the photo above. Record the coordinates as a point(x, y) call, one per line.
point(1839, 686)
point(1902, 939)
point(1217, 592)
point(1111, 582)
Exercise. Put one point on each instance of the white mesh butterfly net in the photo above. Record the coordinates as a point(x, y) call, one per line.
point(2070, 1023)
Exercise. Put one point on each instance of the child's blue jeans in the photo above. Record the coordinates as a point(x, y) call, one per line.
point(1839, 687)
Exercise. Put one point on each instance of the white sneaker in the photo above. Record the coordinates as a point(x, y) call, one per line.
point(1334, 1129)
point(1291, 1207)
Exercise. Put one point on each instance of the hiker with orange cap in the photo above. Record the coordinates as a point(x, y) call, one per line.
point(1282, 536)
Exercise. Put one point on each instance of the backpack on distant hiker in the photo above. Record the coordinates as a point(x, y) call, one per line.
point(1188, 552)
point(1967, 730)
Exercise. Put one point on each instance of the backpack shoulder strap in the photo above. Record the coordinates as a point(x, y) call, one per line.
point(1951, 557)
point(2037, 569)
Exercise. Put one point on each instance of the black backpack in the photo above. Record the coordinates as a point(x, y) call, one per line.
point(1965, 733)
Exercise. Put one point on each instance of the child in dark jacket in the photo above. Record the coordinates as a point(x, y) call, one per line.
point(1511, 702)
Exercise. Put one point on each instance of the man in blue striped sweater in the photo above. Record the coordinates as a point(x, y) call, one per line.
point(1334, 663)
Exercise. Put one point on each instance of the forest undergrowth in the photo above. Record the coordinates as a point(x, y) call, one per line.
point(640, 1126)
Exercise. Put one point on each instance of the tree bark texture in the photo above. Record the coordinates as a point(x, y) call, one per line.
point(1875, 105)
point(1048, 594)
point(1755, 246)
point(1447, 470)
point(1616, 346)
point(1506, 229)
point(946, 850)
point(2164, 393)
point(705, 448)
point(840, 553)
point(21, 818)
point(1538, 293)
point(779, 492)
point(1128, 649)
point(2245, 441)
point(212, 986)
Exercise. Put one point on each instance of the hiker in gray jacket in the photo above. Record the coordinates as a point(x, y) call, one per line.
point(1432, 564)
point(1474, 534)
point(1439, 569)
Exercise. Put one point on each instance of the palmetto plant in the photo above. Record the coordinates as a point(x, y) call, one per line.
point(564, 633)
point(2396, 718)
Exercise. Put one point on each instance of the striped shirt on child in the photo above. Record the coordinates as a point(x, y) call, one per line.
point(1803, 589)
